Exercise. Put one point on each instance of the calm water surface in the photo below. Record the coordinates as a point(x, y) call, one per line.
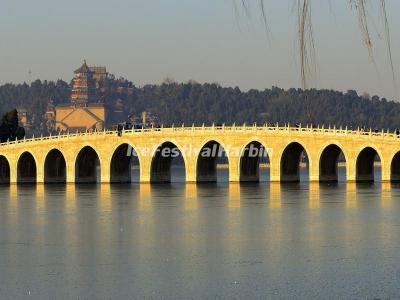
point(200, 241)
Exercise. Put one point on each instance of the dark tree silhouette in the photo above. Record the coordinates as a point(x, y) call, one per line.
point(9, 127)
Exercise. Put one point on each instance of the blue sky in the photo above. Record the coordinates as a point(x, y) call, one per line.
point(146, 41)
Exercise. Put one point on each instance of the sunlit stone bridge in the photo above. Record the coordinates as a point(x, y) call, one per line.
point(102, 156)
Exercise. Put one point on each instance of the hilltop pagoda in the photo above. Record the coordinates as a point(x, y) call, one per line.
point(83, 86)
point(84, 112)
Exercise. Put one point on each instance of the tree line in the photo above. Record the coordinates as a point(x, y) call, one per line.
point(207, 103)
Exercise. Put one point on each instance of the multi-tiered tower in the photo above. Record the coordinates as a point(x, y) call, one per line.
point(83, 86)
point(84, 112)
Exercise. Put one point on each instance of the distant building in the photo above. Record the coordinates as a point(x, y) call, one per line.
point(99, 73)
point(83, 86)
point(74, 119)
point(84, 112)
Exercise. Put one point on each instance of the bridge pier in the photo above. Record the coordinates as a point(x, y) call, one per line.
point(190, 166)
point(314, 172)
point(13, 173)
point(105, 172)
point(70, 172)
point(190, 177)
point(145, 170)
point(40, 167)
point(351, 170)
point(40, 176)
point(274, 170)
point(386, 170)
point(234, 168)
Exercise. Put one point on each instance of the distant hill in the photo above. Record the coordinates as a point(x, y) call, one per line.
point(197, 103)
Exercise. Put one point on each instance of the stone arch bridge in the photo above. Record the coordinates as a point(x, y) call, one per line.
point(102, 156)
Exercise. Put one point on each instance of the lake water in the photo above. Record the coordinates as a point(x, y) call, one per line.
point(209, 241)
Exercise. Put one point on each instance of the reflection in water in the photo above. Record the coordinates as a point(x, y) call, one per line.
point(105, 199)
point(70, 197)
point(40, 204)
point(314, 195)
point(265, 240)
point(191, 197)
point(387, 196)
point(275, 200)
point(234, 195)
point(145, 202)
point(351, 195)
point(13, 194)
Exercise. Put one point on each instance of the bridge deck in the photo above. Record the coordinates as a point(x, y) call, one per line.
point(187, 130)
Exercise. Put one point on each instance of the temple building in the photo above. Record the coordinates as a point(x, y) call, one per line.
point(99, 74)
point(84, 112)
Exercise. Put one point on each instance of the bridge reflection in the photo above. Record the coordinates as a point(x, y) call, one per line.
point(231, 195)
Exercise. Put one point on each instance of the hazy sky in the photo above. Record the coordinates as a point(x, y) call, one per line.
point(146, 41)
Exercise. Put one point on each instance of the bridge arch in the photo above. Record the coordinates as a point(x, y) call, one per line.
point(365, 164)
point(125, 164)
point(212, 154)
point(395, 168)
point(252, 155)
point(329, 158)
point(290, 162)
point(87, 166)
point(165, 156)
point(55, 167)
point(4, 170)
point(26, 168)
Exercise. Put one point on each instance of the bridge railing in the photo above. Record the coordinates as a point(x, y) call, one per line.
point(319, 130)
